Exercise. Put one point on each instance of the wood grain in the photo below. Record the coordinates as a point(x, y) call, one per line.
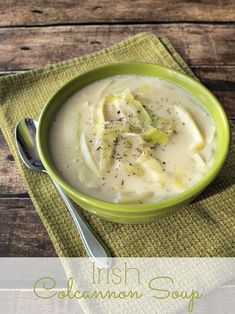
point(28, 48)
point(11, 182)
point(221, 81)
point(29, 12)
point(21, 231)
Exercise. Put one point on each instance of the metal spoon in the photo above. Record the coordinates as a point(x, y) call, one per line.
point(25, 135)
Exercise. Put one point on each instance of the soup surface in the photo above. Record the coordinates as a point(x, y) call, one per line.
point(132, 139)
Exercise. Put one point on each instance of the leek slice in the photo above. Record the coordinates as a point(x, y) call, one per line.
point(161, 131)
point(156, 136)
point(165, 125)
point(128, 197)
point(161, 123)
point(192, 126)
point(87, 156)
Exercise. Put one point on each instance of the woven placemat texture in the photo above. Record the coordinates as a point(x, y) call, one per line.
point(204, 228)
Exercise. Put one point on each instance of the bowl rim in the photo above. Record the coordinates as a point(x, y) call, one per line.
point(145, 207)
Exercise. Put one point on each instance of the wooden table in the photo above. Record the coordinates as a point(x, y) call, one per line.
point(36, 33)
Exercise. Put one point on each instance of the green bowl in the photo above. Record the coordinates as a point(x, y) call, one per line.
point(129, 213)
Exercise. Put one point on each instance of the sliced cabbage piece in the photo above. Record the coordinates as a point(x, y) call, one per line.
point(177, 178)
point(132, 169)
point(99, 116)
point(192, 127)
point(132, 110)
point(116, 126)
point(177, 181)
point(131, 197)
point(101, 90)
point(152, 165)
point(136, 140)
point(211, 135)
point(199, 160)
point(138, 110)
point(87, 156)
point(133, 136)
point(104, 147)
point(144, 101)
point(156, 136)
point(106, 133)
point(130, 146)
point(103, 116)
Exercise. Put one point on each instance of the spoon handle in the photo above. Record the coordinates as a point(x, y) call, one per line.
point(96, 250)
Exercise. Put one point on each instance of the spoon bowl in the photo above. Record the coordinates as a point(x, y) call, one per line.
point(25, 134)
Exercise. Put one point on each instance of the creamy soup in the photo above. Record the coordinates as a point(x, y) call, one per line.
point(132, 139)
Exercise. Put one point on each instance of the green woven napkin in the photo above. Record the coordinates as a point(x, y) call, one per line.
point(204, 228)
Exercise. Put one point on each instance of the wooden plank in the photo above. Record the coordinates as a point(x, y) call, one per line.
point(28, 48)
point(21, 230)
point(221, 81)
point(10, 179)
point(31, 12)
